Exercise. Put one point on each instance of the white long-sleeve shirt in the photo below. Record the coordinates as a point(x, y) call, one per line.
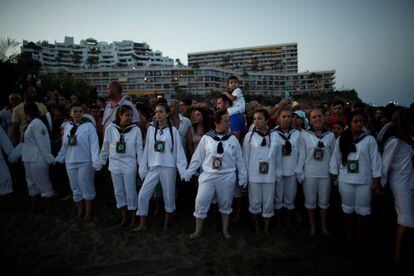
point(254, 153)
point(397, 165)
point(368, 156)
point(239, 104)
point(36, 144)
point(110, 112)
point(86, 149)
point(122, 162)
point(290, 163)
point(5, 144)
point(309, 142)
point(174, 158)
point(231, 158)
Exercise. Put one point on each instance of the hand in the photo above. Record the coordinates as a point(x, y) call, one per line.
point(376, 187)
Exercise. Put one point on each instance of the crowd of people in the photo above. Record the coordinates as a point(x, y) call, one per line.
point(282, 157)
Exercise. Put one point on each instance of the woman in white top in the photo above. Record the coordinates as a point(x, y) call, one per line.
point(357, 164)
point(37, 155)
point(5, 178)
point(123, 144)
point(398, 173)
point(317, 144)
point(219, 154)
point(288, 140)
point(80, 153)
point(163, 155)
point(262, 156)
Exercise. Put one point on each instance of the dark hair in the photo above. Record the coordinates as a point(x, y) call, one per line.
point(121, 111)
point(233, 78)
point(164, 105)
point(74, 105)
point(338, 102)
point(206, 118)
point(346, 139)
point(31, 109)
point(167, 110)
point(187, 102)
point(218, 114)
point(285, 108)
point(264, 112)
point(225, 99)
point(117, 85)
point(402, 122)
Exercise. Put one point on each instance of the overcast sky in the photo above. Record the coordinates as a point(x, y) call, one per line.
point(369, 43)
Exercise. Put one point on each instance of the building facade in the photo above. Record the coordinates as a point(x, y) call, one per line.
point(93, 54)
point(204, 80)
point(280, 58)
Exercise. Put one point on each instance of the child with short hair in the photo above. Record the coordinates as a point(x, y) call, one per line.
point(236, 95)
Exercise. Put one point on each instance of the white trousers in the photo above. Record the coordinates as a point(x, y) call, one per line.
point(125, 188)
point(37, 178)
point(285, 193)
point(355, 198)
point(222, 185)
point(81, 181)
point(164, 175)
point(261, 197)
point(6, 186)
point(404, 206)
point(317, 191)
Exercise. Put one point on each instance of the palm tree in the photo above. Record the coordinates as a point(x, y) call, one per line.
point(8, 50)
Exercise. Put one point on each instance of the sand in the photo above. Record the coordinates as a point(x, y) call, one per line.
point(52, 244)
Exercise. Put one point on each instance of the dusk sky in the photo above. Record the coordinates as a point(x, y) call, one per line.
point(369, 43)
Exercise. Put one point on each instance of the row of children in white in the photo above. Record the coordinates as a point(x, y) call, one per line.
point(270, 163)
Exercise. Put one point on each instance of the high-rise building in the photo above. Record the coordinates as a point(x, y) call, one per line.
point(203, 80)
point(281, 58)
point(93, 54)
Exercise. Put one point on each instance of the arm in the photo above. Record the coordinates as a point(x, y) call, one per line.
point(197, 158)
point(64, 148)
point(181, 159)
point(105, 146)
point(143, 166)
point(301, 158)
point(241, 168)
point(375, 157)
point(230, 96)
point(93, 139)
point(190, 142)
point(42, 141)
point(6, 145)
point(138, 146)
point(387, 157)
point(246, 150)
point(335, 162)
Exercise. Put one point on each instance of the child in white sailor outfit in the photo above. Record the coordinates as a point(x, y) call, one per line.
point(357, 163)
point(80, 153)
point(262, 156)
point(219, 153)
point(317, 144)
point(5, 178)
point(288, 140)
point(163, 155)
point(123, 144)
point(398, 173)
point(37, 155)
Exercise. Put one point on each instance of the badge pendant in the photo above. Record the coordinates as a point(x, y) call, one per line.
point(217, 162)
point(159, 146)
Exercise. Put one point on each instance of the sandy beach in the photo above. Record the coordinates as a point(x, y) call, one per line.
point(53, 244)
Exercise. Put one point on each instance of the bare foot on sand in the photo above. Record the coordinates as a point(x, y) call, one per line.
point(227, 235)
point(140, 228)
point(195, 235)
